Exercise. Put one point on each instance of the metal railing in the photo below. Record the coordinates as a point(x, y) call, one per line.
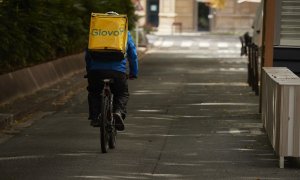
point(253, 67)
point(252, 51)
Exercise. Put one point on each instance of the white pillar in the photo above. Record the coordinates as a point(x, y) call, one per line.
point(166, 16)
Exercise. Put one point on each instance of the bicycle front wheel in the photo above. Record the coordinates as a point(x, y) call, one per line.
point(112, 138)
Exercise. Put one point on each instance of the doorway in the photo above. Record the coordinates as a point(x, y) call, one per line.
point(203, 20)
point(152, 12)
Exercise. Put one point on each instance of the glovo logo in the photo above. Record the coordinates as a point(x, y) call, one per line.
point(102, 32)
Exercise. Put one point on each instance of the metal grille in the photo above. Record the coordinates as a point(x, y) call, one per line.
point(290, 23)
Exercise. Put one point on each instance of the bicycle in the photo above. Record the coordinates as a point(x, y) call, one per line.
point(106, 121)
point(108, 131)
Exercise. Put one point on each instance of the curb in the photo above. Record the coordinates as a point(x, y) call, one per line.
point(18, 108)
point(22, 107)
point(29, 80)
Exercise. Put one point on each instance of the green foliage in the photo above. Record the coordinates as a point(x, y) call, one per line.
point(35, 31)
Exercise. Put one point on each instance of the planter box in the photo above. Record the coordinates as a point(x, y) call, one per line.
point(281, 110)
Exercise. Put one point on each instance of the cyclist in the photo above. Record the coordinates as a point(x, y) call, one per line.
point(98, 69)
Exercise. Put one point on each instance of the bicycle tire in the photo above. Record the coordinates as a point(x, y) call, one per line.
point(104, 136)
point(112, 140)
point(113, 131)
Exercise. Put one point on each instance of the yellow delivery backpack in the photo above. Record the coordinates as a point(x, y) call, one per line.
point(108, 36)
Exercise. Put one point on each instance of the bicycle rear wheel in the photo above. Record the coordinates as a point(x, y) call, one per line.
point(112, 130)
point(104, 134)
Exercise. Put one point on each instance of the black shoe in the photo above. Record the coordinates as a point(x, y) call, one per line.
point(95, 123)
point(119, 122)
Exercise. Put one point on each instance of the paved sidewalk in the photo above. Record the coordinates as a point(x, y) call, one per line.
point(190, 116)
point(205, 118)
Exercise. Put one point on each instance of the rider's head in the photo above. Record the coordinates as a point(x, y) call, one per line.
point(112, 13)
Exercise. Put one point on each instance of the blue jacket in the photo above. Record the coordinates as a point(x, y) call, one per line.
point(116, 65)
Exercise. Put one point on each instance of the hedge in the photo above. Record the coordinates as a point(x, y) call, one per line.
point(36, 31)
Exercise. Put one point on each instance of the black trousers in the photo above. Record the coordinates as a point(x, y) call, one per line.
point(119, 88)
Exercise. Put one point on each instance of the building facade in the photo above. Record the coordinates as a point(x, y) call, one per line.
point(172, 16)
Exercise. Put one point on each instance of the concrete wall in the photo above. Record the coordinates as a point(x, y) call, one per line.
point(27, 81)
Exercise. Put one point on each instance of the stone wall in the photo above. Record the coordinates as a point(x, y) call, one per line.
point(185, 12)
point(234, 17)
point(29, 80)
